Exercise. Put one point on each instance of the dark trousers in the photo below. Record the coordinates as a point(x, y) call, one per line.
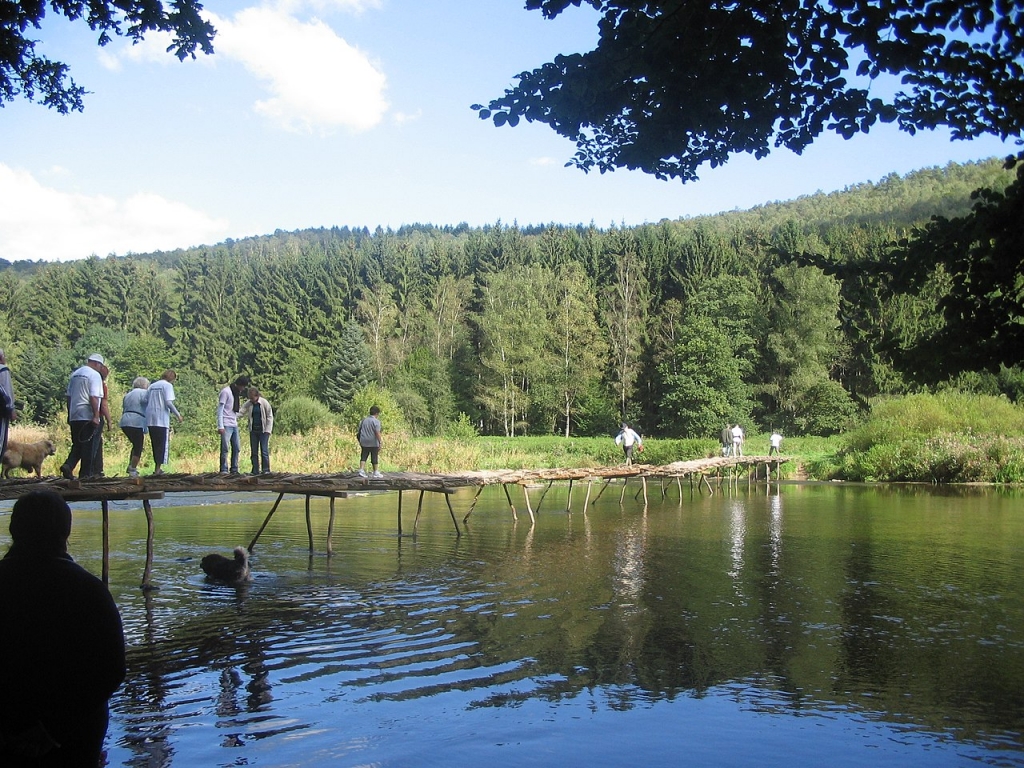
point(137, 437)
point(158, 439)
point(97, 450)
point(259, 443)
point(81, 447)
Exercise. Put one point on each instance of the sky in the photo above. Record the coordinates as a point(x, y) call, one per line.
point(322, 113)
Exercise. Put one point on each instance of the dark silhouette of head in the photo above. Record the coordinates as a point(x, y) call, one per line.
point(40, 523)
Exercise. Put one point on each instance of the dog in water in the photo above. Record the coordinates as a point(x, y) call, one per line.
point(226, 569)
point(27, 456)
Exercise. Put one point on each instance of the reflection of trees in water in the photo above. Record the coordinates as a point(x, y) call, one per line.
point(625, 610)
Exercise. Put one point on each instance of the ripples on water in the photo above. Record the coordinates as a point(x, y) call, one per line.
point(815, 626)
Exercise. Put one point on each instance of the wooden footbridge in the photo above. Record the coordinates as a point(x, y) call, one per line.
point(333, 486)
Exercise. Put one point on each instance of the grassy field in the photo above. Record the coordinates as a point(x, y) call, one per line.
point(947, 437)
point(327, 450)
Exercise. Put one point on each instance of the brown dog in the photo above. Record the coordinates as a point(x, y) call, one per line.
point(27, 456)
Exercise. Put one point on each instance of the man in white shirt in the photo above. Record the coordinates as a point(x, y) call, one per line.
point(84, 397)
point(627, 438)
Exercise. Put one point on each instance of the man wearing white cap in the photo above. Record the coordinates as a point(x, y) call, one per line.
point(84, 396)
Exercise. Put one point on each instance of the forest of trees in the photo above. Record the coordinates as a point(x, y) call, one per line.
point(678, 326)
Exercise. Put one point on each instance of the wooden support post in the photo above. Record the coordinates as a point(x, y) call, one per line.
point(607, 482)
point(663, 493)
point(622, 495)
point(550, 483)
point(419, 508)
point(643, 480)
point(309, 525)
point(267, 520)
point(586, 501)
point(399, 511)
point(473, 505)
point(568, 501)
point(679, 485)
point(106, 540)
point(451, 511)
point(330, 531)
point(641, 489)
point(147, 573)
point(512, 506)
point(710, 489)
point(529, 509)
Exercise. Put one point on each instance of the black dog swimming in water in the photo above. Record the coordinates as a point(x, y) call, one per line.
point(226, 569)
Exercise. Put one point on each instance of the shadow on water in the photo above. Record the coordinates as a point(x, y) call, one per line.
point(820, 624)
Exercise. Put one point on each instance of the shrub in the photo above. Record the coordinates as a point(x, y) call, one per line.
point(461, 429)
point(299, 415)
point(391, 416)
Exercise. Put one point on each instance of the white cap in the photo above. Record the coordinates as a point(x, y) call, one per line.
point(97, 358)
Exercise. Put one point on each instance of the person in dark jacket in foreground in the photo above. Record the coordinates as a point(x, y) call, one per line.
point(62, 651)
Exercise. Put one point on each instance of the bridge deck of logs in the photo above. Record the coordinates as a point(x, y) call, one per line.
point(333, 486)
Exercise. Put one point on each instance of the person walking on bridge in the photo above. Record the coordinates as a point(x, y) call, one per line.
point(627, 438)
point(737, 440)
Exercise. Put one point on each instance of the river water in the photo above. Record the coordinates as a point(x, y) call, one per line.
point(829, 625)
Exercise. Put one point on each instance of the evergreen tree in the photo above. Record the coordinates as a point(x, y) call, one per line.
point(349, 370)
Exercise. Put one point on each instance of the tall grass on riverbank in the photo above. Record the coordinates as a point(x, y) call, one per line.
point(948, 437)
point(945, 438)
point(324, 450)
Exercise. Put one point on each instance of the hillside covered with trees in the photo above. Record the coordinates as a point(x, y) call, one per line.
point(751, 316)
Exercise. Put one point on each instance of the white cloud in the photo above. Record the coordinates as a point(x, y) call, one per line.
point(315, 78)
point(39, 222)
point(151, 50)
point(546, 161)
point(325, 6)
point(401, 118)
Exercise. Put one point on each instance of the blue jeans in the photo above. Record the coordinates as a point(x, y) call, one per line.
point(230, 438)
point(259, 443)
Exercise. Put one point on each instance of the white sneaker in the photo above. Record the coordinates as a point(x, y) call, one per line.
point(362, 473)
point(377, 476)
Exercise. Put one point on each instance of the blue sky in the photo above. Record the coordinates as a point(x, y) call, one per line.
point(350, 112)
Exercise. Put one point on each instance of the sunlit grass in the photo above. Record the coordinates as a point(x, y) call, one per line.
point(947, 437)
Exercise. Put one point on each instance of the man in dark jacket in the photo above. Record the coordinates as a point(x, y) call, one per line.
point(62, 650)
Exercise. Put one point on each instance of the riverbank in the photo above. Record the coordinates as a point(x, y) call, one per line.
point(947, 437)
point(327, 450)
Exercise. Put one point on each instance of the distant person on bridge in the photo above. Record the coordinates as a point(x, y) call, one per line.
point(159, 408)
point(258, 414)
point(84, 398)
point(7, 412)
point(370, 441)
point(737, 440)
point(774, 444)
point(133, 421)
point(627, 438)
point(726, 439)
point(228, 406)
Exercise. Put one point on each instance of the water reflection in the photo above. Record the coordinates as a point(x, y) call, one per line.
point(894, 618)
